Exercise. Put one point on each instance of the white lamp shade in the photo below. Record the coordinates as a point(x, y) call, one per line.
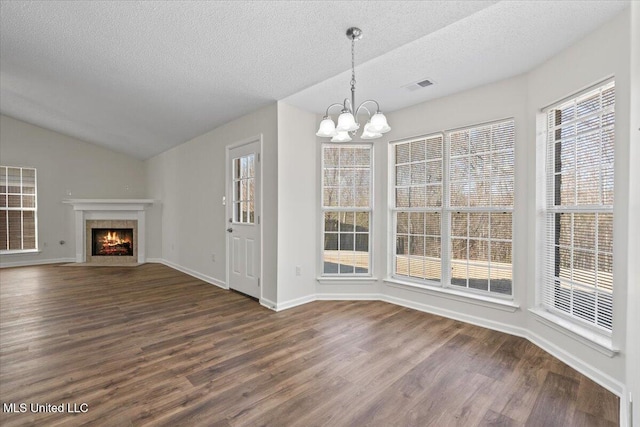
point(327, 128)
point(369, 133)
point(346, 123)
point(341, 137)
point(379, 123)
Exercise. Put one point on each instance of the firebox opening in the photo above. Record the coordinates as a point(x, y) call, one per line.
point(112, 242)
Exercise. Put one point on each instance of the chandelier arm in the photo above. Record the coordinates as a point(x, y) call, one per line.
point(337, 104)
point(362, 106)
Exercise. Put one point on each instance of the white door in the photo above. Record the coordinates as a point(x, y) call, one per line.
point(243, 213)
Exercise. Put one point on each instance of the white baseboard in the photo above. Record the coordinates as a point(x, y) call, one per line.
point(348, 297)
point(35, 262)
point(268, 304)
point(192, 273)
point(317, 297)
point(294, 302)
point(322, 297)
point(478, 321)
point(606, 381)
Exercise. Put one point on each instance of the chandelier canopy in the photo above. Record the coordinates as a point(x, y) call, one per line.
point(348, 119)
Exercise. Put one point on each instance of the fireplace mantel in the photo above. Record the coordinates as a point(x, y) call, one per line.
point(109, 204)
point(108, 209)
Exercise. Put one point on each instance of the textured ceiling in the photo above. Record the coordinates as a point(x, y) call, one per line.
point(143, 76)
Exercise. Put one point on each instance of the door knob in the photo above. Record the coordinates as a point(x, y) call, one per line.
point(230, 230)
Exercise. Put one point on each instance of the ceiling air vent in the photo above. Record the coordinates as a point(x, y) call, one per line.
point(425, 83)
point(419, 85)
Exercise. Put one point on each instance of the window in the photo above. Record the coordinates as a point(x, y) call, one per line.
point(346, 207)
point(578, 273)
point(18, 207)
point(244, 173)
point(481, 203)
point(453, 208)
point(418, 204)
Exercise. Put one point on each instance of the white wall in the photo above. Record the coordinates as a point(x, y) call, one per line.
point(67, 168)
point(297, 206)
point(190, 181)
point(633, 254)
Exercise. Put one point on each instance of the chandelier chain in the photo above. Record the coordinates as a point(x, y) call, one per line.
point(353, 63)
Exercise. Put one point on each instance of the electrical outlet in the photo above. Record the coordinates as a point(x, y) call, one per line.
point(213, 257)
point(298, 270)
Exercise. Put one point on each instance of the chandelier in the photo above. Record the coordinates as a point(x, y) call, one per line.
point(348, 118)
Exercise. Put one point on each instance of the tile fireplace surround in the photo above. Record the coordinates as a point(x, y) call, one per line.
point(103, 213)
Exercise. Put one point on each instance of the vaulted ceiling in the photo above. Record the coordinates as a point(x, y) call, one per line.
point(141, 77)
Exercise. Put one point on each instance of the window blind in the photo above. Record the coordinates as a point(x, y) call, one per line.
point(578, 273)
point(481, 191)
point(346, 207)
point(17, 209)
point(418, 205)
point(453, 202)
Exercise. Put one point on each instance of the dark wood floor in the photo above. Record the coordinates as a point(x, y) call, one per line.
point(152, 346)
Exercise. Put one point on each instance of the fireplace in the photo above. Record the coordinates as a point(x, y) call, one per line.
point(119, 236)
point(112, 242)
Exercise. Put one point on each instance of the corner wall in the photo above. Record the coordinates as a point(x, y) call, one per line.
point(297, 206)
point(67, 168)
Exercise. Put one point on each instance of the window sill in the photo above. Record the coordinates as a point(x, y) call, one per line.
point(482, 300)
point(331, 280)
point(21, 252)
point(586, 336)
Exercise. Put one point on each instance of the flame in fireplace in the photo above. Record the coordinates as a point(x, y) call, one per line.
point(113, 239)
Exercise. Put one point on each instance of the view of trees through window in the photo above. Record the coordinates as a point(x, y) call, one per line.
point(346, 205)
point(244, 189)
point(473, 225)
point(580, 163)
point(418, 200)
point(481, 199)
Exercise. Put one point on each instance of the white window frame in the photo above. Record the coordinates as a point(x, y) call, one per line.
point(395, 210)
point(446, 212)
point(546, 300)
point(21, 209)
point(368, 209)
